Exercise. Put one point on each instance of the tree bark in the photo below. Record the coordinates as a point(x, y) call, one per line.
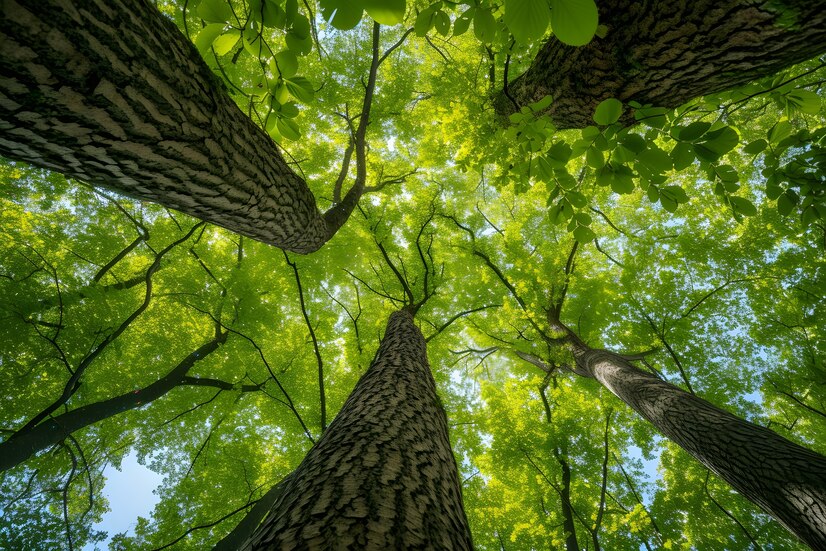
point(25, 443)
point(667, 52)
point(383, 475)
point(788, 481)
point(112, 93)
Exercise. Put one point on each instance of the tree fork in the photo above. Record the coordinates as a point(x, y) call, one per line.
point(787, 480)
point(111, 93)
point(668, 52)
point(383, 475)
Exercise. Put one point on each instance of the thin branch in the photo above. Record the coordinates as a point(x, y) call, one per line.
point(458, 316)
point(756, 545)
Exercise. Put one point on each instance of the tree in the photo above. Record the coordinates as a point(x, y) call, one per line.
point(667, 54)
point(91, 288)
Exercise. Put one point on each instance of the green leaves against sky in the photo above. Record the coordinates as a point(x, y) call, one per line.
point(696, 232)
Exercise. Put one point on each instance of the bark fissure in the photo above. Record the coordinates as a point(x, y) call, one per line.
point(383, 475)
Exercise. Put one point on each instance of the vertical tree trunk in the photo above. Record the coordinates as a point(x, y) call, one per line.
point(788, 481)
point(668, 52)
point(112, 93)
point(383, 475)
point(568, 524)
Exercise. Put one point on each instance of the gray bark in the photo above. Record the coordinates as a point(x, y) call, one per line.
point(383, 475)
point(111, 92)
point(787, 480)
point(668, 52)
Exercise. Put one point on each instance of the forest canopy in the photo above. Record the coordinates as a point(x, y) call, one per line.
point(210, 209)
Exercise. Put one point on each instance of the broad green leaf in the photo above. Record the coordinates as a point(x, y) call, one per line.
point(484, 25)
point(656, 159)
point(301, 89)
point(300, 27)
point(805, 101)
point(574, 22)
point(527, 20)
point(342, 14)
point(425, 20)
point(682, 155)
point(442, 21)
point(577, 199)
point(608, 112)
point(787, 202)
point(541, 105)
point(675, 193)
point(385, 12)
point(726, 173)
point(584, 234)
point(207, 36)
point(288, 128)
point(286, 63)
point(462, 23)
point(215, 11)
point(755, 147)
point(693, 131)
point(594, 158)
point(274, 15)
point(742, 206)
point(226, 42)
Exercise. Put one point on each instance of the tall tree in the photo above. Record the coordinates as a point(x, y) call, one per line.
point(383, 474)
point(667, 53)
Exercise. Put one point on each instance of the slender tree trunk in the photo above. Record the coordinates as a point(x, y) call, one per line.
point(25, 443)
point(668, 52)
point(383, 475)
point(111, 92)
point(568, 524)
point(788, 481)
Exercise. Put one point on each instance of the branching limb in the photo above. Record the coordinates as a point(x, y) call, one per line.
point(460, 315)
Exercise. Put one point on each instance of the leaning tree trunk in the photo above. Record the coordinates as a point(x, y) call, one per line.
point(788, 481)
point(112, 93)
point(26, 442)
point(668, 52)
point(383, 475)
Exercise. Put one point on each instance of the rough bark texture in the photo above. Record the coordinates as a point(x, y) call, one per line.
point(668, 52)
point(383, 474)
point(112, 93)
point(788, 481)
point(25, 443)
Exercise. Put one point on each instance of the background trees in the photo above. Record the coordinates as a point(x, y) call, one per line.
point(686, 242)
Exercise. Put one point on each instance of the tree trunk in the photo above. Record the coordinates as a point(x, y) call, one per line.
point(25, 443)
point(383, 475)
point(788, 481)
point(112, 93)
point(668, 52)
point(568, 524)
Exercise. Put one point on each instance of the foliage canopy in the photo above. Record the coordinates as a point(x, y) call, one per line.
point(697, 232)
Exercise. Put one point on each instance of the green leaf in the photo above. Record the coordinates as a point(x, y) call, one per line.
point(426, 19)
point(527, 20)
point(577, 199)
point(726, 173)
point(484, 25)
point(274, 15)
point(574, 22)
point(385, 12)
point(786, 202)
point(342, 14)
point(755, 147)
point(668, 204)
point(301, 89)
point(594, 158)
point(742, 206)
point(462, 23)
point(608, 112)
point(682, 155)
point(634, 142)
point(288, 128)
point(226, 42)
point(656, 159)
point(216, 11)
point(805, 101)
point(300, 27)
point(584, 234)
point(675, 193)
point(286, 63)
point(442, 23)
point(207, 36)
point(541, 105)
point(692, 132)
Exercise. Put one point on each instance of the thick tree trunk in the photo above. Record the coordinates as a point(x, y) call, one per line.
point(383, 475)
point(788, 481)
point(668, 52)
point(112, 93)
point(25, 443)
